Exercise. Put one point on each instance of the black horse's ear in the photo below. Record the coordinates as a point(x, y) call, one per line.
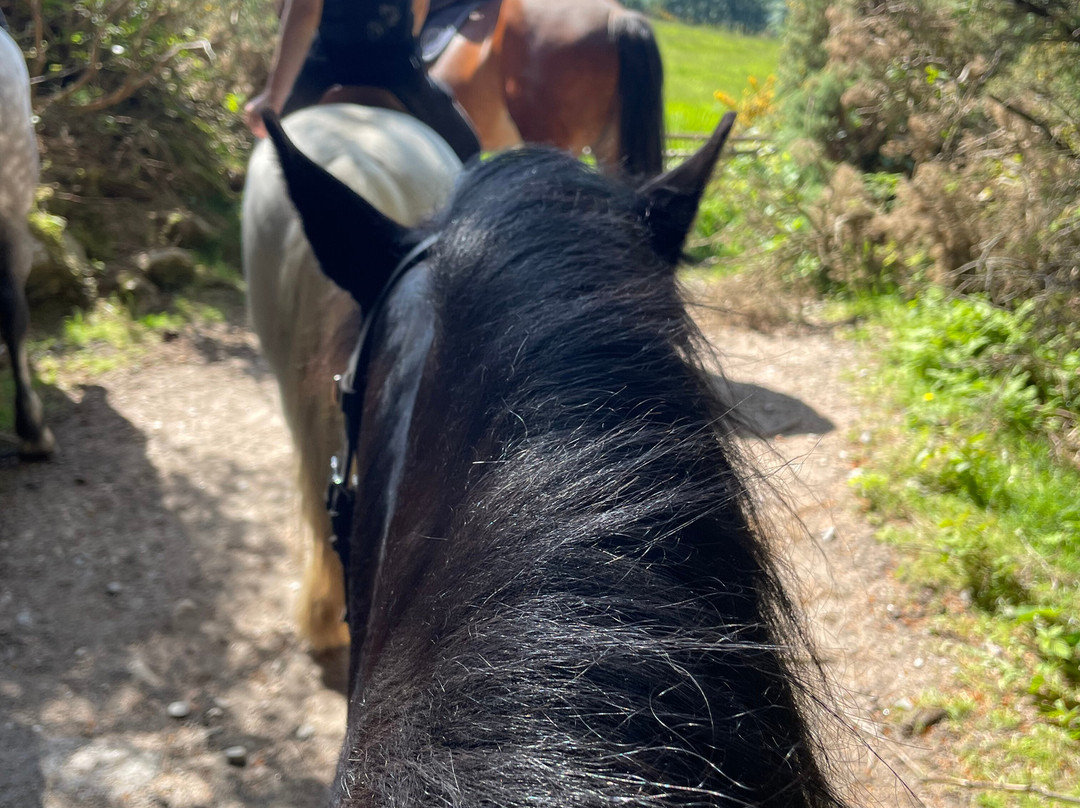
point(670, 201)
point(333, 214)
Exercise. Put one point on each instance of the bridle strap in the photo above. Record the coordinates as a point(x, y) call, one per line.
point(341, 494)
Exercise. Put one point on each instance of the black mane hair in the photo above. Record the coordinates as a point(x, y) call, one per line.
point(596, 620)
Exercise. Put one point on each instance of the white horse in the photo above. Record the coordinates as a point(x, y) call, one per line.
point(18, 179)
point(308, 326)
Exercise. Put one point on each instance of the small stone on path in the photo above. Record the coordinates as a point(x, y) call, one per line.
point(179, 709)
point(236, 756)
point(305, 732)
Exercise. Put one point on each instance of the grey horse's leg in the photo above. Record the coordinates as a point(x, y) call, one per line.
point(35, 440)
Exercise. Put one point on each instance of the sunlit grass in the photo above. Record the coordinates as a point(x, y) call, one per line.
point(89, 343)
point(985, 516)
point(700, 61)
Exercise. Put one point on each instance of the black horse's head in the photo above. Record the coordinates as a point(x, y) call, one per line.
point(340, 224)
point(561, 597)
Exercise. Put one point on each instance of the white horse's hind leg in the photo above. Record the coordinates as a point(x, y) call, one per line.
point(35, 439)
point(18, 179)
point(306, 324)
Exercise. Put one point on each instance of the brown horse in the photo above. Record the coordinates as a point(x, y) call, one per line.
point(582, 75)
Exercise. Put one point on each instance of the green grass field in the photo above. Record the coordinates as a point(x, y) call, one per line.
point(698, 61)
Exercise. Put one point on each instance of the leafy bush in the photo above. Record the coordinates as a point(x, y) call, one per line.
point(748, 15)
point(938, 142)
point(979, 129)
point(138, 105)
point(929, 174)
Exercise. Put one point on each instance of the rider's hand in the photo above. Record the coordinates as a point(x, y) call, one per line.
point(252, 110)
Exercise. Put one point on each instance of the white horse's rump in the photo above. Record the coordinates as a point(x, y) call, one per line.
point(18, 179)
point(18, 148)
point(307, 325)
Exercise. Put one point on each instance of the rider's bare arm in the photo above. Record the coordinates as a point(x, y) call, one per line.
point(299, 21)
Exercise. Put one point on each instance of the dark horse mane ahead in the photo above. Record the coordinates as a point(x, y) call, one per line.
point(573, 606)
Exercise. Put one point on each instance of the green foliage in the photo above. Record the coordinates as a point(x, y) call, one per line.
point(1055, 683)
point(108, 336)
point(803, 56)
point(928, 175)
point(757, 197)
point(138, 106)
point(980, 343)
point(110, 325)
point(748, 15)
point(987, 505)
point(939, 145)
point(707, 72)
point(971, 107)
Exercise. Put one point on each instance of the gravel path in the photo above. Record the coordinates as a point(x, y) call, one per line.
point(151, 565)
point(146, 579)
point(796, 390)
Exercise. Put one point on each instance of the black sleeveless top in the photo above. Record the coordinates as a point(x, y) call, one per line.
point(380, 24)
point(367, 41)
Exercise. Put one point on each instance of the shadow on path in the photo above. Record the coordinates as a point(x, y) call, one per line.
point(759, 412)
point(121, 579)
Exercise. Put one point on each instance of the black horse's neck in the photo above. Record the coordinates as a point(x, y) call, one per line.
point(571, 604)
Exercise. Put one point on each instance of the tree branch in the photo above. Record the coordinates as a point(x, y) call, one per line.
point(987, 785)
point(1042, 126)
point(133, 84)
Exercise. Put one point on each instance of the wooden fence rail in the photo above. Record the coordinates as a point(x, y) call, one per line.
point(672, 152)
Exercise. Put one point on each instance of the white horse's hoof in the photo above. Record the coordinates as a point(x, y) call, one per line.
point(41, 449)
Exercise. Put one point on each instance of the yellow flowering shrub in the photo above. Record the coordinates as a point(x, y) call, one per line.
point(758, 100)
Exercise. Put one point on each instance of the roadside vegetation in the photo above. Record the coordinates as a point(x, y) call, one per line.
point(940, 146)
point(137, 103)
point(143, 153)
point(919, 179)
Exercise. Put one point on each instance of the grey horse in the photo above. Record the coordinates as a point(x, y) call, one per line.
point(18, 178)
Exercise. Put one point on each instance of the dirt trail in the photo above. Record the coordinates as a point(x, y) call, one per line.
point(796, 389)
point(152, 565)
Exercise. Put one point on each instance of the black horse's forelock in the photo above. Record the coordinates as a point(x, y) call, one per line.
point(606, 628)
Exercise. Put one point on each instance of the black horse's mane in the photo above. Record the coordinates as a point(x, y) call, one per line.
point(603, 625)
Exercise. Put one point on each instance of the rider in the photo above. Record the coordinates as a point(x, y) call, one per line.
point(370, 43)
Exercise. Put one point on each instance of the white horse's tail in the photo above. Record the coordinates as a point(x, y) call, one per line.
point(306, 324)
